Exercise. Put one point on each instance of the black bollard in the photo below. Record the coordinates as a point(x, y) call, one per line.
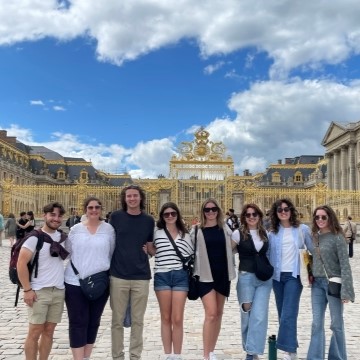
point(272, 347)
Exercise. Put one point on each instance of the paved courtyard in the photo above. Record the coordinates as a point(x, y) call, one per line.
point(13, 325)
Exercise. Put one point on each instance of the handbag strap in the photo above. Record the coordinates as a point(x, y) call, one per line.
point(74, 268)
point(174, 246)
point(319, 254)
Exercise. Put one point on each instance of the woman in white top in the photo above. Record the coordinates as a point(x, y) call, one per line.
point(286, 237)
point(253, 293)
point(91, 244)
point(170, 278)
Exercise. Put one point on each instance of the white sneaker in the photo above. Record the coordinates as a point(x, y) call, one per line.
point(290, 356)
point(212, 356)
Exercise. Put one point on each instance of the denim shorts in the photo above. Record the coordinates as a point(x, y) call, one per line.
point(175, 280)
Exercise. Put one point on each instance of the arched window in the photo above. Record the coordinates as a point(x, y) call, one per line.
point(61, 174)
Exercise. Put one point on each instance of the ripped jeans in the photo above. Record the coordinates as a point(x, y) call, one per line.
point(254, 323)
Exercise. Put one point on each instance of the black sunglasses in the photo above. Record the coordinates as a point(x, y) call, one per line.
point(285, 209)
point(170, 213)
point(96, 207)
point(249, 215)
point(213, 209)
point(321, 217)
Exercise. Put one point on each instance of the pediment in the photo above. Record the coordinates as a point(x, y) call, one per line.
point(334, 131)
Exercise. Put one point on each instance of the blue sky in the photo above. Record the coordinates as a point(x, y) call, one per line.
point(123, 83)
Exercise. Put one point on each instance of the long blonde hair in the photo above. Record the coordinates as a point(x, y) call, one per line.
point(219, 216)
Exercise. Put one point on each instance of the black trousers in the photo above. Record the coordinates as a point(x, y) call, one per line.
point(351, 248)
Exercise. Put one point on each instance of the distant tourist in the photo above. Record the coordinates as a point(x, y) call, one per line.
point(10, 228)
point(350, 234)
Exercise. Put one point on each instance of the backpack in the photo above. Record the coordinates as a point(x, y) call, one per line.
point(34, 263)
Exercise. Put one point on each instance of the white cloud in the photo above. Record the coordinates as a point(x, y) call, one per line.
point(37, 102)
point(208, 70)
point(276, 120)
point(272, 120)
point(293, 34)
point(58, 108)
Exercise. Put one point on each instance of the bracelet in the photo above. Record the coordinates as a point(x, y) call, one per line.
point(28, 290)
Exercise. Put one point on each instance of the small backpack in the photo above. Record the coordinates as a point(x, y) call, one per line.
point(14, 255)
point(34, 263)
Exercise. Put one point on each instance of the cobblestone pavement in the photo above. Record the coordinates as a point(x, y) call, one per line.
point(13, 325)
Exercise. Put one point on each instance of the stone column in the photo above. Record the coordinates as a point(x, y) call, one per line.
point(330, 170)
point(352, 166)
point(343, 168)
point(336, 172)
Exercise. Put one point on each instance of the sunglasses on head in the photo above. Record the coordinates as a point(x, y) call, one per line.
point(213, 209)
point(252, 214)
point(96, 207)
point(285, 209)
point(170, 213)
point(321, 217)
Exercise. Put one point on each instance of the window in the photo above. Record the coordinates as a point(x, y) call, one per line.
point(276, 178)
point(298, 177)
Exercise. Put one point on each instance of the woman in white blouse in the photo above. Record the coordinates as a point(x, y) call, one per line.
point(91, 244)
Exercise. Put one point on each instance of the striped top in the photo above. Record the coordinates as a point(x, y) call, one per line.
point(166, 258)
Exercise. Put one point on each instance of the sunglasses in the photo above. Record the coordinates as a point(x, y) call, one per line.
point(321, 217)
point(96, 207)
point(170, 213)
point(285, 209)
point(213, 209)
point(249, 215)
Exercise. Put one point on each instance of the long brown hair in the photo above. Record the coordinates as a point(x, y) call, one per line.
point(244, 226)
point(161, 224)
point(333, 221)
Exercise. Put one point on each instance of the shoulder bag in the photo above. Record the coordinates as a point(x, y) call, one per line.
point(263, 269)
point(189, 266)
point(94, 285)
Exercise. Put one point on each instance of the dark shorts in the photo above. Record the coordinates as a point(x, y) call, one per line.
point(175, 280)
point(222, 287)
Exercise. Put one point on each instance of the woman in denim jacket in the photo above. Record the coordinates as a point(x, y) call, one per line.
point(286, 237)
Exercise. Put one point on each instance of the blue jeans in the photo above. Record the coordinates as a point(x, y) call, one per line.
point(287, 296)
point(255, 321)
point(319, 301)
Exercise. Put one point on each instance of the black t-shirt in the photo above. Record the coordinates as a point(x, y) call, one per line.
point(20, 233)
point(129, 260)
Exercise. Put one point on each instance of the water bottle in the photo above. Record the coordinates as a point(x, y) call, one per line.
point(272, 347)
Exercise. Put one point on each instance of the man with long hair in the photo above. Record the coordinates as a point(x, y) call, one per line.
point(130, 270)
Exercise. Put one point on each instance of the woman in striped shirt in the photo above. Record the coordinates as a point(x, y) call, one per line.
point(170, 279)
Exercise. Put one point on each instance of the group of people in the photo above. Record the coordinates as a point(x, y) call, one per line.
point(124, 244)
point(17, 229)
